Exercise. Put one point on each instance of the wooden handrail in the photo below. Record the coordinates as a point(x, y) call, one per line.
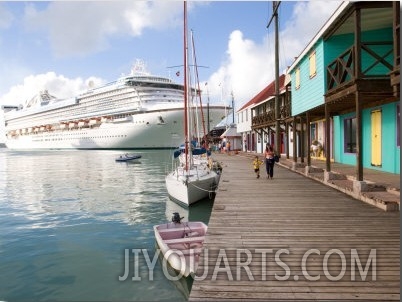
point(343, 70)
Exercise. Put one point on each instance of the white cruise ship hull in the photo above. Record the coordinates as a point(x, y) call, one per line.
point(142, 131)
point(138, 111)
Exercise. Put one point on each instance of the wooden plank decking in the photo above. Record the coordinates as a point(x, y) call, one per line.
point(292, 217)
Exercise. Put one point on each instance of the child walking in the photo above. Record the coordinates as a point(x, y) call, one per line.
point(256, 164)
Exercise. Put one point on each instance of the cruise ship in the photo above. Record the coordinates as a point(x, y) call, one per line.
point(138, 111)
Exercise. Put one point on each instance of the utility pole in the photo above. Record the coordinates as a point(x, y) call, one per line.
point(233, 108)
point(208, 125)
point(275, 6)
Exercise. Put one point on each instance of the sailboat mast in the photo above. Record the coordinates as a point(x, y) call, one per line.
point(198, 90)
point(186, 129)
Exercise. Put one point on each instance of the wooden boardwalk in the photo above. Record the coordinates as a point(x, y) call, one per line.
point(292, 238)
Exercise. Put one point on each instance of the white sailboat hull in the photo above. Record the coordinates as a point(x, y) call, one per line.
point(188, 187)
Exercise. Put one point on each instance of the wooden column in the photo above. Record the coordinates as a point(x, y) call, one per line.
point(302, 142)
point(308, 138)
point(287, 139)
point(359, 140)
point(294, 141)
point(327, 139)
point(359, 137)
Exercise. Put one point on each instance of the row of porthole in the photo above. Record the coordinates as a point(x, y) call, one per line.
point(71, 138)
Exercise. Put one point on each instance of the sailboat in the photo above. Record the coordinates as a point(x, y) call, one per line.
point(190, 181)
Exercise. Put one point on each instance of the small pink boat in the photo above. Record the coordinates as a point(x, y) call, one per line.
point(181, 243)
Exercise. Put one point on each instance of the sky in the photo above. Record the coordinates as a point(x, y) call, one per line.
point(62, 46)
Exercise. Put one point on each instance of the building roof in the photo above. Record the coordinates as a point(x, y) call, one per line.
point(374, 18)
point(230, 132)
point(267, 92)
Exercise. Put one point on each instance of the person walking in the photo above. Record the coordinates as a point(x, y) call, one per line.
point(269, 160)
point(256, 165)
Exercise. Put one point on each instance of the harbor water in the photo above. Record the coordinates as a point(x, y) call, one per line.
point(71, 220)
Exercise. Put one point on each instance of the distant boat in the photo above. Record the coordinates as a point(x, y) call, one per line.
point(128, 157)
point(181, 243)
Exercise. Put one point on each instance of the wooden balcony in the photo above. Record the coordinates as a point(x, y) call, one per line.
point(373, 81)
point(267, 119)
point(263, 120)
point(286, 111)
point(395, 74)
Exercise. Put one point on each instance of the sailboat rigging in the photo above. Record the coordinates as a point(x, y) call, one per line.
point(198, 92)
point(195, 176)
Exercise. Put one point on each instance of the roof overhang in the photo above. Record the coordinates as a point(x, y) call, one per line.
point(334, 16)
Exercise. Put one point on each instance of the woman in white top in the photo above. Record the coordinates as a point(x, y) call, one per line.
point(269, 161)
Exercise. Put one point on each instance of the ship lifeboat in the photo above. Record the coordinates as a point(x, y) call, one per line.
point(63, 125)
point(42, 128)
point(36, 129)
point(71, 125)
point(30, 129)
point(23, 131)
point(81, 124)
point(94, 121)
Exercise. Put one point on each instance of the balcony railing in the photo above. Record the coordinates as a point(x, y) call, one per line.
point(263, 119)
point(268, 118)
point(375, 58)
point(285, 111)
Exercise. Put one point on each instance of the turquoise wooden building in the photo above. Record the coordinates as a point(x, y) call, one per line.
point(345, 88)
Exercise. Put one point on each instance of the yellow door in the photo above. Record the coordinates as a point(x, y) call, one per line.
point(376, 138)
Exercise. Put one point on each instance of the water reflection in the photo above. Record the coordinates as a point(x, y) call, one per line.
point(90, 183)
point(183, 285)
point(66, 218)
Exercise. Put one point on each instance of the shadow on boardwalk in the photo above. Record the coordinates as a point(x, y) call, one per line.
point(382, 190)
point(293, 238)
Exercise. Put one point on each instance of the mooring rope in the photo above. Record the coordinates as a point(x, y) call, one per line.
point(202, 189)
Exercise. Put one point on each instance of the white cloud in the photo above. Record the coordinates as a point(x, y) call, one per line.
point(57, 85)
point(76, 27)
point(80, 28)
point(299, 30)
point(249, 67)
point(243, 72)
point(14, 72)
